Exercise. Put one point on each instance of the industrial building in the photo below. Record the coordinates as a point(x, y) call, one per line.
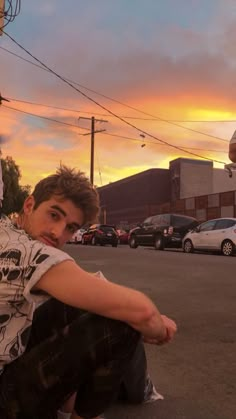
point(191, 187)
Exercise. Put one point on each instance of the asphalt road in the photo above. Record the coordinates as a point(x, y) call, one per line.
point(197, 372)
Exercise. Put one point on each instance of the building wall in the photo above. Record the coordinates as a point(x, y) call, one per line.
point(190, 187)
point(205, 207)
point(129, 200)
point(190, 177)
point(222, 182)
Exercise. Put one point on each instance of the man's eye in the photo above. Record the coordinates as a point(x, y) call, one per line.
point(54, 215)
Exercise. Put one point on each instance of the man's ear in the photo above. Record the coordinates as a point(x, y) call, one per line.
point(29, 205)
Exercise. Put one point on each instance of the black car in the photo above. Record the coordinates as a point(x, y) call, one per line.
point(100, 234)
point(162, 230)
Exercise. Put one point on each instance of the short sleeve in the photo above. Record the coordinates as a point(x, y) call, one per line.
point(45, 258)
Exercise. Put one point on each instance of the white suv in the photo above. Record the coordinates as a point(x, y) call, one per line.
point(213, 235)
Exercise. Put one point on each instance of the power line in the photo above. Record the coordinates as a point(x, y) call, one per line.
point(123, 116)
point(159, 144)
point(43, 117)
point(106, 109)
point(106, 133)
point(74, 110)
point(153, 118)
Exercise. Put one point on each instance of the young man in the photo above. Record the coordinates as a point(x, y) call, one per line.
point(82, 338)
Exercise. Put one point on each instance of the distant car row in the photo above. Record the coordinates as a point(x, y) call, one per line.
point(167, 231)
point(100, 234)
point(174, 230)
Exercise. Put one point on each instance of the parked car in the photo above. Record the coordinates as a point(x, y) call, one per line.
point(77, 236)
point(213, 235)
point(123, 236)
point(100, 234)
point(162, 230)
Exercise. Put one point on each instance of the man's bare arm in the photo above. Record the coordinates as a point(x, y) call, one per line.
point(70, 284)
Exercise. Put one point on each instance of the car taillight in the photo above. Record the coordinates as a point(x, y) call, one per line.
point(170, 230)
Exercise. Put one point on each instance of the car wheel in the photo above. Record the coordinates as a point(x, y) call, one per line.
point(188, 246)
point(158, 243)
point(94, 241)
point(133, 242)
point(83, 241)
point(227, 248)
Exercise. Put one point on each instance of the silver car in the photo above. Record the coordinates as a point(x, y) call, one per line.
point(213, 235)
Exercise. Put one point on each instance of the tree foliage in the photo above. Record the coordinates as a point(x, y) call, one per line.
point(14, 194)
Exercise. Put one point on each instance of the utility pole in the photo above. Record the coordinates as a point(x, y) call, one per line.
point(2, 8)
point(93, 121)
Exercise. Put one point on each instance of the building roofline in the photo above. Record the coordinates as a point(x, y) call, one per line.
point(135, 176)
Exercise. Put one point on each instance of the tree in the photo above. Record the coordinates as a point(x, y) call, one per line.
point(14, 194)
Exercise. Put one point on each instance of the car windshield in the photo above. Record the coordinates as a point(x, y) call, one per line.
point(162, 219)
point(107, 229)
point(181, 221)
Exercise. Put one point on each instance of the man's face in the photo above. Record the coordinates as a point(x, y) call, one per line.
point(53, 222)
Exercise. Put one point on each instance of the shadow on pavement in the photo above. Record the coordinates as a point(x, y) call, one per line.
point(164, 409)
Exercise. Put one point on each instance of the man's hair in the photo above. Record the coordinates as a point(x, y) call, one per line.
point(70, 184)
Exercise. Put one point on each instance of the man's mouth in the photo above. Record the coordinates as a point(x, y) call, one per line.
point(48, 241)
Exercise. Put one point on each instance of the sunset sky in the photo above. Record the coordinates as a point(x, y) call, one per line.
point(167, 68)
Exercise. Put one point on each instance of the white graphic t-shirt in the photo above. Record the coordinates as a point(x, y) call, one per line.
point(23, 261)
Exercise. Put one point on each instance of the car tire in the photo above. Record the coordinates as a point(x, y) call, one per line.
point(133, 242)
point(83, 241)
point(158, 242)
point(188, 246)
point(94, 241)
point(227, 248)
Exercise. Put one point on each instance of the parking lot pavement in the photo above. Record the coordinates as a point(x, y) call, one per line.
point(196, 373)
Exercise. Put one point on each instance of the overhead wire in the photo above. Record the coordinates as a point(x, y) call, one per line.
point(76, 111)
point(159, 144)
point(154, 118)
point(106, 109)
point(43, 117)
point(105, 133)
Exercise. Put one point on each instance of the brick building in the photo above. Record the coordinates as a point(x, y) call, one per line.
point(191, 187)
point(129, 200)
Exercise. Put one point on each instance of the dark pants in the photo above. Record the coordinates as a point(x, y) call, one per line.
point(69, 350)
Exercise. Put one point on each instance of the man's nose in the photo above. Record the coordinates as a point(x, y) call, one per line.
point(58, 230)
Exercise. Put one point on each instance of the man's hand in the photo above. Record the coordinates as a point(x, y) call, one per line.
point(171, 329)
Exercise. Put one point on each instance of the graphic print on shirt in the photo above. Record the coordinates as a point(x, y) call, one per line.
point(15, 272)
point(23, 261)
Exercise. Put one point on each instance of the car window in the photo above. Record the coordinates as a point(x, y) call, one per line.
point(147, 221)
point(224, 223)
point(178, 221)
point(161, 219)
point(93, 226)
point(207, 226)
point(107, 229)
